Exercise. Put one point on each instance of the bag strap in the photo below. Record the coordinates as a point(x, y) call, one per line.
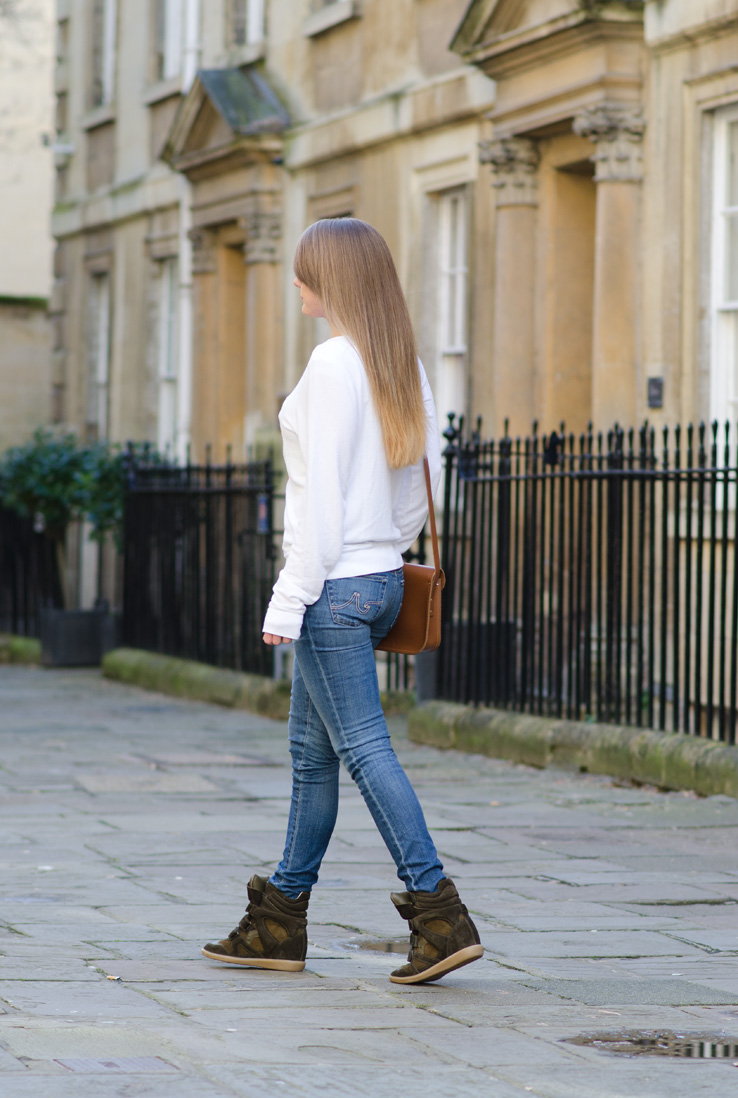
point(432, 517)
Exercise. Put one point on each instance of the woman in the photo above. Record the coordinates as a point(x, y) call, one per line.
point(355, 430)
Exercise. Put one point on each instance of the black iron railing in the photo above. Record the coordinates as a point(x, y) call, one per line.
point(29, 574)
point(199, 562)
point(594, 576)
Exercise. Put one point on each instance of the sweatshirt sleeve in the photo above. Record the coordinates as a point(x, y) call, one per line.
point(328, 420)
point(410, 508)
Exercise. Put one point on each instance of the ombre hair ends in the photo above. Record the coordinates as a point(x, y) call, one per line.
point(348, 265)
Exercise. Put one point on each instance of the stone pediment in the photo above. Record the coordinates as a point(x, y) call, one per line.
point(229, 117)
point(493, 30)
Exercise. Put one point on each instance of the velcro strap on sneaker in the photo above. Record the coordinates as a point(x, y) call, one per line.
point(404, 904)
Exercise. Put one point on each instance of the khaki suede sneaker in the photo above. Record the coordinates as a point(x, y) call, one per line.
point(443, 936)
point(272, 933)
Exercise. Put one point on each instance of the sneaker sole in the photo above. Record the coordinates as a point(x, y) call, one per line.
point(448, 964)
point(257, 962)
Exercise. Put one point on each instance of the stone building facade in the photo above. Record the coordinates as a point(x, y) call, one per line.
point(557, 179)
point(205, 138)
point(615, 162)
point(26, 183)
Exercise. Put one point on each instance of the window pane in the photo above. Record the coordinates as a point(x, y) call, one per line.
point(452, 272)
point(98, 38)
point(167, 433)
point(238, 22)
point(731, 257)
point(171, 47)
point(731, 198)
point(167, 320)
point(99, 354)
point(103, 51)
point(108, 67)
point(255, 28)
point(453, 231)
point(451, 388)
point(725, 372)
point(460, 308)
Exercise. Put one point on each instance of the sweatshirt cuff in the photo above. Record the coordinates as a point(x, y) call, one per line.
point(283, 623)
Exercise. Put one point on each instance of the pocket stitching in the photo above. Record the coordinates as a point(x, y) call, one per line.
point(354, 601)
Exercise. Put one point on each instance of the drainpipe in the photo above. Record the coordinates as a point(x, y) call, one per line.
point(190, 65)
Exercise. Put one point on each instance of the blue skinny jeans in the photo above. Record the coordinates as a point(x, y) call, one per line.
point(336, 717)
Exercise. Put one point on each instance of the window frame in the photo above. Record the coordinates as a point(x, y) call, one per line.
point(724, 310)
point(167, 356)
point(103, 54)
point(251, 14)
point(168, 40)
point(100, 328)
point(453, 248)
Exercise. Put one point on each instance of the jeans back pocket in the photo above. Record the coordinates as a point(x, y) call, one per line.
point(356, 600)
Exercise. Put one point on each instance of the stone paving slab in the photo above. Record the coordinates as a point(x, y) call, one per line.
point(343, 1081)
point(133, 823)
point(635, 991)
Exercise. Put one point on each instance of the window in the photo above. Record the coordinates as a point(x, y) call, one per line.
point(724, 364)
point(103, 51)
point(246, 22)
point(167, 357)
point(452, 253)
point(329, 13)
point(98, 350)
point(169, 38)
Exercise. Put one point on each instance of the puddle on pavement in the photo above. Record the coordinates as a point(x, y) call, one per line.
point(664, 1043)
point(382, 946)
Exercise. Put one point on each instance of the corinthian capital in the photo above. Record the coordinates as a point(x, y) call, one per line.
point(514, 163)
point(203, 251)
point(617, 133)
point(263, 234)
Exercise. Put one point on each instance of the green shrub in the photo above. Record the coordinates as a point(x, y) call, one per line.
point(54, 479)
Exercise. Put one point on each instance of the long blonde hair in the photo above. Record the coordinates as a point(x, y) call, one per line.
point(346, 263)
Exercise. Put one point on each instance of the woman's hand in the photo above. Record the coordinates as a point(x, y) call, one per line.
point(271, 638)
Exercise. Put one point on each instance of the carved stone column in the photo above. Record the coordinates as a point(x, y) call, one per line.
point(203, 250)
point(515, 166)
point(515, 162)
point(263, 258)
point(263, 237)
point(205, 425)
point(617, 133)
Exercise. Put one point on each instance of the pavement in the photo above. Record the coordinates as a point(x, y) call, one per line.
point(131, 823)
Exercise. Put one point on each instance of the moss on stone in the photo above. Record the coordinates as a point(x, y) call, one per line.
point(15, 649)
point(199, 681)
point(433, 723)
point(396, 703)
point(512, 736)
point(665, 759)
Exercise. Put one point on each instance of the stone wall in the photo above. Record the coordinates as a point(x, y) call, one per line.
point(26, 174)
point(25, 359)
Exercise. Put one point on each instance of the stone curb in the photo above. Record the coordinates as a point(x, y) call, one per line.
point(14, 649)
point(665, 759)
point(199, 681)
point(202, 682)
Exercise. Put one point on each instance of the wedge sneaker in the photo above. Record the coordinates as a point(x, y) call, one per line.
point(272, 933)
point(442, 934)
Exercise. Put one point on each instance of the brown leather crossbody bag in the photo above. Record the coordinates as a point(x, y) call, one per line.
point(418, 626)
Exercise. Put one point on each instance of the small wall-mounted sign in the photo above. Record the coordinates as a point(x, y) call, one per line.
point(655, 392)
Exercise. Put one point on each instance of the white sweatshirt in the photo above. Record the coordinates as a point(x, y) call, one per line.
point(346, 512)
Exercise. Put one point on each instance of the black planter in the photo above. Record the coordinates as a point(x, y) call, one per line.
point(76, 638)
